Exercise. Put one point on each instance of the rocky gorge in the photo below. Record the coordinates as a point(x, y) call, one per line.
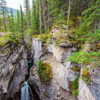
point(14, 70)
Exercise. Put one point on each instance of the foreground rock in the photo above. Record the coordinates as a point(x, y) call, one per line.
point(58, 87)
point(13, 69)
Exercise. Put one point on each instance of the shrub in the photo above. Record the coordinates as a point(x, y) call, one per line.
point(86, 80)
point(75, 93)
point(44, 71)
point(74, 86)
point(43, 38)
point(57, 43)
point(74, 68)
point(85, 73)
point(75, 82)
point(3, 40)
point(85, 58)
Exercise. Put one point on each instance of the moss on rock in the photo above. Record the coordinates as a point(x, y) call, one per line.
point(44, 71)
point(86, 73)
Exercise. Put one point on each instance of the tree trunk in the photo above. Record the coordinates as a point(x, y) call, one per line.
point(81, 13)
point(40, 16)
point(77, 13)
point(45, 26)
point(4, 22)
point(27, 13)
point(68, 18)
point(99, 25)
point(3, 3)
point(48, 16)
point(22, 27)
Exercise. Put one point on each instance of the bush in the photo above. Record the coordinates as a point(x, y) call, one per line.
point(74, 86)
point(85, 57)
point(44, 71)
point(85, 73)
point(75, 93)
point(43, 38)
point(3, 40)
point(86, 80)
point(75, 82)
point(74, 68)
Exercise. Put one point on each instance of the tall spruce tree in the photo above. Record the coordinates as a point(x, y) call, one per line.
point(27, 11)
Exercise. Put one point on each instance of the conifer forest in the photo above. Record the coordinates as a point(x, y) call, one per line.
point(57, 40)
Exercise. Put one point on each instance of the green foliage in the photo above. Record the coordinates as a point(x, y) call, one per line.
point(75, 82)
point(86, 80)
point(56, 43)
point(44, 71)
point(84, 57)
point(86, 73)
point(75, 86)
point(44, 38)
point(75, 68)
point(3, 40)
point(88, 31)
point(75, 93)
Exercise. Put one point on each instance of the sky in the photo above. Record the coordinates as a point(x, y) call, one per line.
point(16, 3)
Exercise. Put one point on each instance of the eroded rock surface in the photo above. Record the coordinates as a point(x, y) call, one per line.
point(13, 71)
point(58, 87)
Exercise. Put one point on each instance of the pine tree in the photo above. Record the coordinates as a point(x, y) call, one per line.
point(68, 17)
point(40, 14)
point(90, 24)
point(27, 10)
point(3, 12)
point(12, 24)
point(33, 21)
point(18, 22)
point(44, 16)
point(22, 24)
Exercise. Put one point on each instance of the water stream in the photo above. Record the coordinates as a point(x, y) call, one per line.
point(26, 92)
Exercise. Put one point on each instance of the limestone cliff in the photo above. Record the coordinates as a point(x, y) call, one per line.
point(14, 69)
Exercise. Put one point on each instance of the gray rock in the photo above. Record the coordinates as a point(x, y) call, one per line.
point(37, 48)
point(65, 44)
point(13, 72)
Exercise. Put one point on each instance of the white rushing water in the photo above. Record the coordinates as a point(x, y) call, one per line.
point(25, 91)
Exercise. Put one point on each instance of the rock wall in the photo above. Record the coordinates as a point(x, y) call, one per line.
point(90, 90)
point(13, 68)
point(58, 87)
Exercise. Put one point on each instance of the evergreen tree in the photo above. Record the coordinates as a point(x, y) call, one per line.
point(22, 22)
point(27, 10)
point(11, 22)
point(3, 11)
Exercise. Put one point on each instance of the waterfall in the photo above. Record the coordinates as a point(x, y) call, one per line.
point(25, 88)
point(25, 91)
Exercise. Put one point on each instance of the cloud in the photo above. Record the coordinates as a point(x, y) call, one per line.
point(16, 3)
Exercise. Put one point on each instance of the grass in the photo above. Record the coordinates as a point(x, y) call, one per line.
point(3, 40)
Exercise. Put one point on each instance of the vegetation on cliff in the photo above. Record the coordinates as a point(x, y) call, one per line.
point(65, 21)
point(44, 71)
